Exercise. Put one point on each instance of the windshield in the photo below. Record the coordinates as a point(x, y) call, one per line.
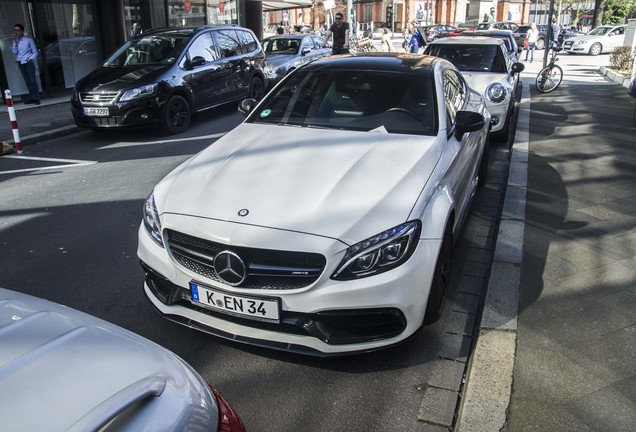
point(354, 100)
point(600, 31)
point(281, 46)
point(155, 49)
point(471, 58)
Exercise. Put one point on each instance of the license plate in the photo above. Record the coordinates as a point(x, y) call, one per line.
point(257, 308)
point(96, 112)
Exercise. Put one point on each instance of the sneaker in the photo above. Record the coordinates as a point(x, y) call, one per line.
point(37, 102)
point(28, 101)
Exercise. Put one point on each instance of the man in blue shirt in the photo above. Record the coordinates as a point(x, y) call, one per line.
point(555, 33)
point(26, 54)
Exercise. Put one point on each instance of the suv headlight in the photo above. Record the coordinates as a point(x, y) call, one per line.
point(151, 220)
point(379, 253)
point(140, 92)
point(496, 92)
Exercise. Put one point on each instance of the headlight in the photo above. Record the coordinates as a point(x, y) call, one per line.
point(151, 220)
point(379, 253)
point(581, 42)
point(140, 92)
point(496, 92)
point(273, 72)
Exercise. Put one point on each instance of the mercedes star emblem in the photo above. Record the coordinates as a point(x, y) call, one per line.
point(230, 268)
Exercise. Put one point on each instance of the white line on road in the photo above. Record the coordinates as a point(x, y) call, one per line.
point(132, 144)
point(69, 163)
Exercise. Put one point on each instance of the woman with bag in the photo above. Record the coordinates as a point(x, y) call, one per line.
point(532, 35)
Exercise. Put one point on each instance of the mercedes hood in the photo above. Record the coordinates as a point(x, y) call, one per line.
point(330, 183)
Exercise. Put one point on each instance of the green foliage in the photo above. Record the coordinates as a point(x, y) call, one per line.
point(615, 11)
point(622, 58)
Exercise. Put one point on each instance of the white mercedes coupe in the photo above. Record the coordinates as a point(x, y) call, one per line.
point(323, 224)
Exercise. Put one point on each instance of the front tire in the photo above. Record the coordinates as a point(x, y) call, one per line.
point(177, 115)
point(596, 49)
point(540, 44)
point(441, 280)
point(549, 78)
point(257, 89)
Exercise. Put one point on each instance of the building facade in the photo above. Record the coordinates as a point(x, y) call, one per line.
point(75, 36)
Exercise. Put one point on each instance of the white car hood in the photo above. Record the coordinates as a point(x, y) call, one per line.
point(338, 184)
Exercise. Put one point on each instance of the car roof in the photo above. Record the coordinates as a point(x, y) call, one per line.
point(468, 40)
point(290, 36)
point(389, 62)
point(62, 369)
point(188, 31)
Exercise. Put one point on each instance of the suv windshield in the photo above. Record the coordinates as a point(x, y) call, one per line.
point(471, 58)
point(155, 49)
point(352, 100)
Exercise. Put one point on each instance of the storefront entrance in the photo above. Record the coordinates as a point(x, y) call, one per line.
point(64, 32)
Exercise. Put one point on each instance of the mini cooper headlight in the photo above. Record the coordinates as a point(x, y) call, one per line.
point(140, 92)
point(379, 253)
point(496, 92)
point(151, 220)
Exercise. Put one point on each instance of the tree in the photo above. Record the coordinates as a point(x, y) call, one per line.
point(615, 11)
point(599, 6)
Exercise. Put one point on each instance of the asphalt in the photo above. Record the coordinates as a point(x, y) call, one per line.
point(556, 343)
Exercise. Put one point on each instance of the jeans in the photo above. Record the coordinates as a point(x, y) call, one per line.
point(530, 51)
point(28, 73)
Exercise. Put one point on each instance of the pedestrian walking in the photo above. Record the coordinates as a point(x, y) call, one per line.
point(386, 40)
point(532, 35)
point(414, 42)
point(26, 54)
point(556, 30)
point(340, 31)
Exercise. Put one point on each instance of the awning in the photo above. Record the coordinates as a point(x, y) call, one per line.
point(274, 5)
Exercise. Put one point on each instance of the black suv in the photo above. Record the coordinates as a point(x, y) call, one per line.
point(166, 75)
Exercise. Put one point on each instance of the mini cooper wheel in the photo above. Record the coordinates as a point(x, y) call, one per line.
point(176, 115)
point(441, 280)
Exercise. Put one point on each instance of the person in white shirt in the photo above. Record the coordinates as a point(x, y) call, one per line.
point(532, 35)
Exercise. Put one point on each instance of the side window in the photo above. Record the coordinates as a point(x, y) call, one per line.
point(203, 46)
point(228, 43)
point(247, 41)
point(454, 94)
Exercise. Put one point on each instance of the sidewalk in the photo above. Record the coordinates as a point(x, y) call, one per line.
point(556, 347)
point(50, 119)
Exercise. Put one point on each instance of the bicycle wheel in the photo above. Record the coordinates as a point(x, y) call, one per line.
point(549, 78)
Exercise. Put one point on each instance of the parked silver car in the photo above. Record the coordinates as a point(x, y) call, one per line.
point(287, 52)
point(62, 370)
point(602, 39)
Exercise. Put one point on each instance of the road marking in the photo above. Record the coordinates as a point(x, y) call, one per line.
point(69, 163)
point(134, 144)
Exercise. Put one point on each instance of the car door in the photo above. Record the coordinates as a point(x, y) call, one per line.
point(464, 168)
point(615, 38)
point(235, 62)
point(207, 73)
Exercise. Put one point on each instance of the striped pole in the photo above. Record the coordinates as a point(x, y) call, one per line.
point(14, 122)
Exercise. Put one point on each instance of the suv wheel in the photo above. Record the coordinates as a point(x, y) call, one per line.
point(540, 44)
point(257, 89)
point(176, 115)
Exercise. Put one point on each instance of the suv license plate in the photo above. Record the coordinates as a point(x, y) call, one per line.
point(96, 112)
point(261, 309)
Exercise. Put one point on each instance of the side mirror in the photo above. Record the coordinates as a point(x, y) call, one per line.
point(468, 121)
point(517, 67)
point(197, 61)
point(305, 50)
point(247, 105)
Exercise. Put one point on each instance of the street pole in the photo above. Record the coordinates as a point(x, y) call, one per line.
point(548, 43)
point(350, 14)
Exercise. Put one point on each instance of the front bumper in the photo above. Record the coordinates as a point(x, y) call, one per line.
point(127, 114)
point(325, 318)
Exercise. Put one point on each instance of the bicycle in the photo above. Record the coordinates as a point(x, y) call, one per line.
point(361, 45)
point(550, 77)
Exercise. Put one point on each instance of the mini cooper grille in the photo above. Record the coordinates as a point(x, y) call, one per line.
point(98, 98)
point(267, 268)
